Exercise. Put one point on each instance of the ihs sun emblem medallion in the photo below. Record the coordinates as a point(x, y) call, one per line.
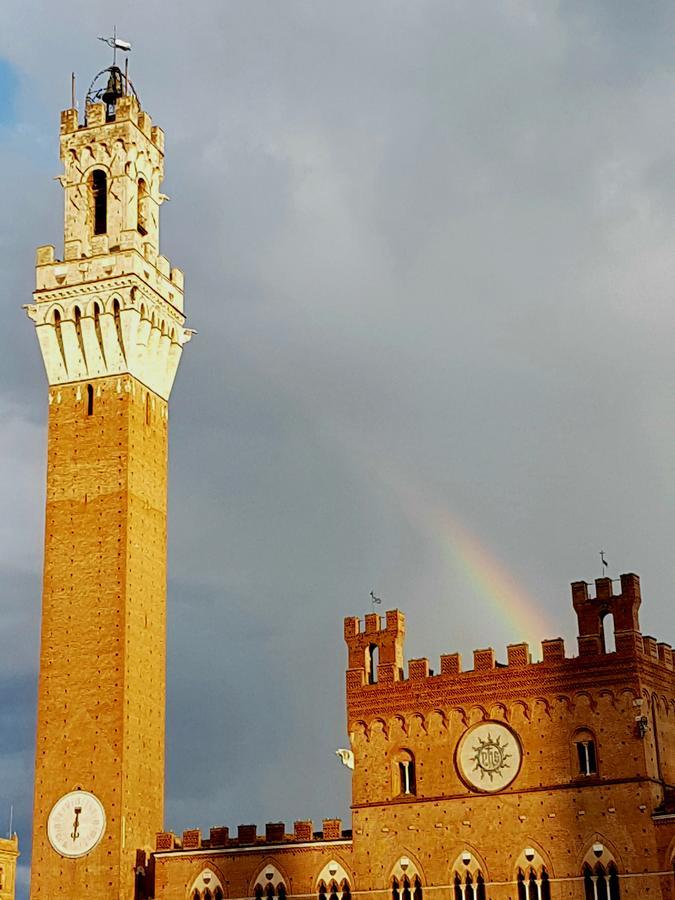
point(490, 757)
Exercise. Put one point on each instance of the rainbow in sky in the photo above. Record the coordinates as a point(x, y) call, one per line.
point(461, 552)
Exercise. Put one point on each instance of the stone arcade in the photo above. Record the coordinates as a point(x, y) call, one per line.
point(514, 780)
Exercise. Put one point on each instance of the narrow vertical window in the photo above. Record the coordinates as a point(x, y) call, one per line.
point(322, 890)
point(218, 894)
point(269, 891)
point(545, 886)
point(281, 891)
point(99, 201)
point(406, 888)
point(147, 409)
point(587, 757)
point(207, 894)
point(258, 892)
point(459, 893)
point(589, 883)
point(522, 889)
point(371, 660)
point(404, 774)
point(90, 400)
point(614, 891)
point(600, 883)
point(395, 890)
point(346, 892)
point(142, 221)
point(480, 887)
point(417, 889)
point(469, 892)
point(533, 891)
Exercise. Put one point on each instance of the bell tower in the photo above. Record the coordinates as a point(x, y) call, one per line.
point(110, 324)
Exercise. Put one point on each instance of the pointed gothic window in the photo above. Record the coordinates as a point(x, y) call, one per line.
point(395, 890)
point(99, 201)
point(218, 894)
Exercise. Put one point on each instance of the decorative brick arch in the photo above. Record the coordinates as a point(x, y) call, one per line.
point(206, 878)
point(270, 867)
point(341, 874)
point(414, 867)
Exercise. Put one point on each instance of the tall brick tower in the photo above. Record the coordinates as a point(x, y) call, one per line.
point(109, 319)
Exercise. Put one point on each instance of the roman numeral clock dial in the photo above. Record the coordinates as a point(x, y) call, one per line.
point(76, 824)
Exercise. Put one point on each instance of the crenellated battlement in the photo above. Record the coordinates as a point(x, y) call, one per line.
point(247, 836)
point(592, 605)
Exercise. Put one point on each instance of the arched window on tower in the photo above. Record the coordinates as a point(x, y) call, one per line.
point(99, 201)
point(403, 774)
point(607, 625)
point(372, 655)
point(142, 213)
point(586, 755)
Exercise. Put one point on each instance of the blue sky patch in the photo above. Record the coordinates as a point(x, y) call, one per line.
point(9, 85)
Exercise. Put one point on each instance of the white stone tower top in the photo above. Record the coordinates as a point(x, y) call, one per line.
point(113, 304)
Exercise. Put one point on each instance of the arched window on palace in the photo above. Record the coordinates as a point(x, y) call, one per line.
point(98, 190)
point(601, 883)
point(333, 890)
point(469, 886)
point(207, 886)
point(586, 757)
point(406, 889)
point(533, 884)
point(403, 774)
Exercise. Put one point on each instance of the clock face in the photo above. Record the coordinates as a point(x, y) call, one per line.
point(76, 824)
point(488, 756)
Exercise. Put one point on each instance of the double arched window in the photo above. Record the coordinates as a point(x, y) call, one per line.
point(403, 774)
point(601, 883)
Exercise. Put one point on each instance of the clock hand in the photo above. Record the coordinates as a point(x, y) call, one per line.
point(75, 833)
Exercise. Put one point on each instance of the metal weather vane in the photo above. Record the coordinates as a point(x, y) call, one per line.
point(116, 44)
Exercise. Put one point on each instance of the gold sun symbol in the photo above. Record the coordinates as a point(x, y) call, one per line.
point(490, 757)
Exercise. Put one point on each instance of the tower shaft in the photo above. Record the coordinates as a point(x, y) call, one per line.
point(109, 319)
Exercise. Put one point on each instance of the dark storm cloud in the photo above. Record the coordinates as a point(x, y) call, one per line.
point(429, 252)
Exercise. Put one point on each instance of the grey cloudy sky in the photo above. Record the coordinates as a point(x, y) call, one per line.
point(430, 252)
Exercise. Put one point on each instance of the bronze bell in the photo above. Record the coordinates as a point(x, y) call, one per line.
point(115, 87)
